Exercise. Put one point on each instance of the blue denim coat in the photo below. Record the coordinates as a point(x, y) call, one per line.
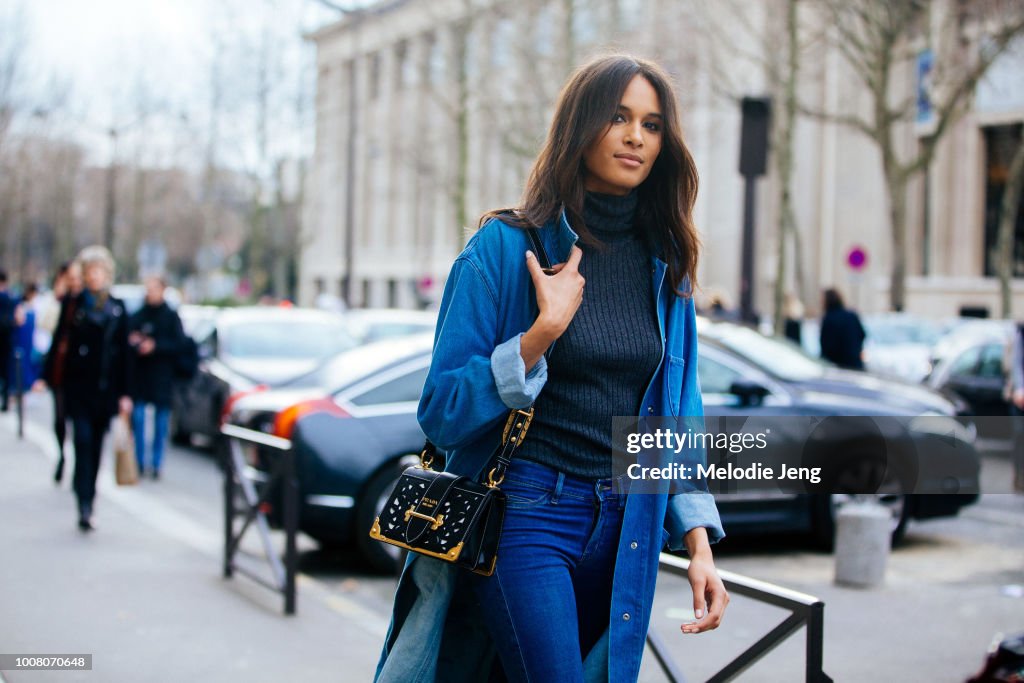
point(476, 376)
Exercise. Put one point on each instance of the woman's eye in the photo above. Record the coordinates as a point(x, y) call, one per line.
point(618, 118)
point(652, 126)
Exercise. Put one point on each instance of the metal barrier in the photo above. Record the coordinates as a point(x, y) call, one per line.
point(804, 609)
point(238, 476)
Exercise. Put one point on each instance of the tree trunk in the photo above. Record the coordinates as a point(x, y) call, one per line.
point(784, 162)
point(461, 137)
point(896, 184)
point(1007, 227)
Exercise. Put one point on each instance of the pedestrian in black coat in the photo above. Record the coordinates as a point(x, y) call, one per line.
point(7, 305)
point(157, 338)
point(96, 371)
point(66, 288)
point(842, 335)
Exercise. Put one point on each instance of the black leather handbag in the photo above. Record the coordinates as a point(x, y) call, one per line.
point(449, 517)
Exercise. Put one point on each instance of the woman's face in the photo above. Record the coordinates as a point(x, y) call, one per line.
point(622, 158)
point(96, 277)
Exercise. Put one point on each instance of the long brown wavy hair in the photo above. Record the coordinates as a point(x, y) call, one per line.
point(583, 115)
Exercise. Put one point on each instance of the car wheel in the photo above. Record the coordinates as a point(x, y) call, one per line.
point(860, 476)
point(383, 557)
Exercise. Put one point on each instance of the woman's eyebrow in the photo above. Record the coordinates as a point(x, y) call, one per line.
point(653, 113)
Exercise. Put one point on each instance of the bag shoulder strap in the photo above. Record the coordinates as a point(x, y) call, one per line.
point(518, 420)
point(538, 249)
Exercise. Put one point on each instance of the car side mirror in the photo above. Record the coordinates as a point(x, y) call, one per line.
point(750, 393)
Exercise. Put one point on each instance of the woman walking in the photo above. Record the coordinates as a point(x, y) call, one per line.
point(612, 194)
point(67, 285)
point(94, 370)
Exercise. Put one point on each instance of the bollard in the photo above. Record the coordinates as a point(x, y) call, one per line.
point(863, 539)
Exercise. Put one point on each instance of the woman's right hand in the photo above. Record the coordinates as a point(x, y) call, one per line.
point(558, 297)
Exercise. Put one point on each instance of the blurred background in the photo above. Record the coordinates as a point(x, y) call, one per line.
point(296, 148)
point(335, 155)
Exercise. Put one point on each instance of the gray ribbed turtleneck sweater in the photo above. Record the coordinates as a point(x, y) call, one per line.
point(603, 362)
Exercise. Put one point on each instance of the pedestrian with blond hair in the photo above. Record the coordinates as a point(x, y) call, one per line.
point(95, 370)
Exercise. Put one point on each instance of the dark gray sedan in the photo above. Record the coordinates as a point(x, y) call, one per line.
point(354, 440)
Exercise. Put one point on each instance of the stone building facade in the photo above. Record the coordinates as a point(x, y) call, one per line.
point(415, 95)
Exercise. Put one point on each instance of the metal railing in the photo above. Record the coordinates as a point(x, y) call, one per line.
point(238, 476)
point(804, 609)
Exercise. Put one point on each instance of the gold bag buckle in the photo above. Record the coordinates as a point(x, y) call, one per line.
point(435, 522)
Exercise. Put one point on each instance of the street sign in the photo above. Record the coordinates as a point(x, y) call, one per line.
point(857, 258)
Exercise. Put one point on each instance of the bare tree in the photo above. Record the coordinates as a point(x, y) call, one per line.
point(773, 45)
point(880, 42)
point(1006, 252)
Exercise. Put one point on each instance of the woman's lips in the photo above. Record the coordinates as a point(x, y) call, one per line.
point(629, 161)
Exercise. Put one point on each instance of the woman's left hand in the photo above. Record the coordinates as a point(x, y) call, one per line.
point(709, 594)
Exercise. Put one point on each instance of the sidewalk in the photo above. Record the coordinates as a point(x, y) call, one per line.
point(144, 594)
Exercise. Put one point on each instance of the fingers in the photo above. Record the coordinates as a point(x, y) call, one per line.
point(718, 599)
point(533, 265)
point(709, 602)
point(574, 258)
point(698, 586)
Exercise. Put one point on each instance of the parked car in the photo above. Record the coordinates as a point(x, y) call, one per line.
point(198, 321)
point(373, 324)
point(899, 345)
point(972, 372)
point(353, 441)
point(960, 331)
point(248, 349)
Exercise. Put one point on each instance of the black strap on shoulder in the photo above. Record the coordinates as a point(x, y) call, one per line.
point(538, 250)
point(518, 420)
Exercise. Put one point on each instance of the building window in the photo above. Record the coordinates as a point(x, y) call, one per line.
point(405, 68)
point(374, 84)
point(433, 65)
point(367, 291)
point(1001, 142)
point(393, 293)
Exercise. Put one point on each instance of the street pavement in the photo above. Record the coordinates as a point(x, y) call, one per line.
point(145, 596)
point(144, 593)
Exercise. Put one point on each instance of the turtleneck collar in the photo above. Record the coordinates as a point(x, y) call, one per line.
point(609, 216)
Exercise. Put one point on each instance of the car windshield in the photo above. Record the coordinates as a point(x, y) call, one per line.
point(777, 357)
point(287, 339)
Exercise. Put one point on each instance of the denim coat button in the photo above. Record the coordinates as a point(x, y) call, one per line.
point(625, 617)
point(650, 409)
point(633, 545)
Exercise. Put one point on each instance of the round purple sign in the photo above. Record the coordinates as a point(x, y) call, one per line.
point(857, 258)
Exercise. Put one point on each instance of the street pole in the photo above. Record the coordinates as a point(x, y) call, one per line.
point(110, 208)
point(753, 164)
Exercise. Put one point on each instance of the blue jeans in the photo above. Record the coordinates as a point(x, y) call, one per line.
point(549, 599)
point(161, 421)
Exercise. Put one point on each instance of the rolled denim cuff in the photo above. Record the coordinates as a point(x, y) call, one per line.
point(516, 387)
point(692, 510)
